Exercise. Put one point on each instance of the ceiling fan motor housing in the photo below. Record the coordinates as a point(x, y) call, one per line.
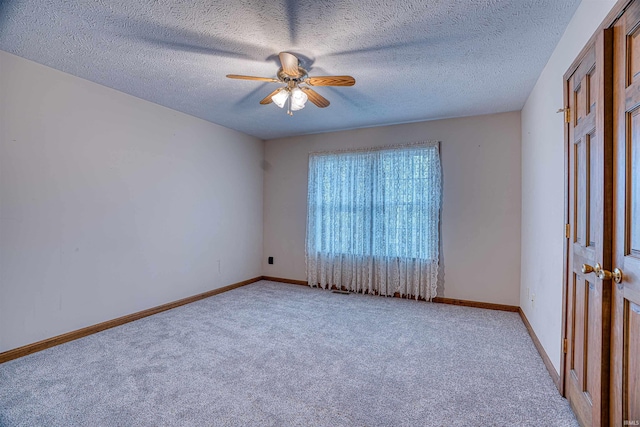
point(284, 77)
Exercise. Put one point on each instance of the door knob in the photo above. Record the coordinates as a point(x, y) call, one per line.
point(586, 269)
point(608, 275)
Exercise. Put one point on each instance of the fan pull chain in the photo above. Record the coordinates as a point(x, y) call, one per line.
point(289, 106)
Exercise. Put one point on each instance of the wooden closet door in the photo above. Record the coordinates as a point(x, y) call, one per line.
point(625, 367)
point(586, 365)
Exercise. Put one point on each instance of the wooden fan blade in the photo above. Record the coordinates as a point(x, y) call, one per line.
point(331, 81)
point(315, 97)
point(267, 99)
point(261, 79)
point(289, 64)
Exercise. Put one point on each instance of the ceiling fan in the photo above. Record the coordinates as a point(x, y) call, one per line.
point(297, 83)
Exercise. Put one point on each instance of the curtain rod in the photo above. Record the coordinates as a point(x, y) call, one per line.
point(429, 143)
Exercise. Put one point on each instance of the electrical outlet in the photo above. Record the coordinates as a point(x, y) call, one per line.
point(533, 300)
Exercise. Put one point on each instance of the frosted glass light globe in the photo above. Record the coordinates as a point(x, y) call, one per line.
point(280, 98)
point(298, 99)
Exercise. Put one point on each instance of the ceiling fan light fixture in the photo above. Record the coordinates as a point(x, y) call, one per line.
point(281, 97)
point(298, 99)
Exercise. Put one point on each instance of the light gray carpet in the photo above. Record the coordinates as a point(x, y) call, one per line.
point(272, 354)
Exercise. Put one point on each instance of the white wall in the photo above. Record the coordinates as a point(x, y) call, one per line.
point(543, 182)
point(110, 204)
point(481, 206)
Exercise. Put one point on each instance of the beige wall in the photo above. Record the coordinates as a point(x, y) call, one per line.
point(110, 204)
point(481, 206)
point(543, 183)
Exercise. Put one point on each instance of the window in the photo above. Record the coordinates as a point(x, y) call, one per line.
point(370, 207)
point(383, 202)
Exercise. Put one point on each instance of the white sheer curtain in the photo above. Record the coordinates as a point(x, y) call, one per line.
point(372, 220)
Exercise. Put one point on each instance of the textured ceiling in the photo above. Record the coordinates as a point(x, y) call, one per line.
point(413, 60)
